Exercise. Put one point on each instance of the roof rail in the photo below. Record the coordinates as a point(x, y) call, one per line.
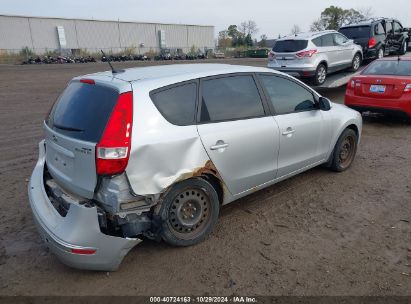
point(368, 19)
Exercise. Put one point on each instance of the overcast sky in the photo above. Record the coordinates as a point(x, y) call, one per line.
point(272, 17)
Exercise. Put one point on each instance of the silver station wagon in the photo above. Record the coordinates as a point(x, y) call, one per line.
point(154, 152)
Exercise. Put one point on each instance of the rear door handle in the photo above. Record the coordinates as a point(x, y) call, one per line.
point(219, 146)
point(289, 131)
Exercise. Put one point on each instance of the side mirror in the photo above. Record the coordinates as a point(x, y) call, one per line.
point(324, 104)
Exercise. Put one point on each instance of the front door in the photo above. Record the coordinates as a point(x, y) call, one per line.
point(303, 138)
point(239, 138)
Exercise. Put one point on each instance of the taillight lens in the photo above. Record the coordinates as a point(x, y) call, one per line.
point(271, 56)
point(407, 88)
point(353, 84)
point(371, 43)
point(113, 150)
point(306, 54)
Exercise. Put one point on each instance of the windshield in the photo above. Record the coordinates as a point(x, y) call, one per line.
point(356, 32)
point(389, 67)
point(289, 46)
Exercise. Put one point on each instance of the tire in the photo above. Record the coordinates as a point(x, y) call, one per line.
point(189, 212)
point(356, 62)
point(344, 151)
point(381, 53)
point(404, 48)
point(320, 75)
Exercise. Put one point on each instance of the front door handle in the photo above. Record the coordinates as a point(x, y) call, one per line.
point(219, 145)
point(289, 131)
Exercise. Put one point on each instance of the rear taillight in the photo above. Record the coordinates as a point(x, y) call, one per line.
point(306, 54)
point(371, 43)
point(271, 56)
point(88, 81)
point(407, 88)
point(113, 150)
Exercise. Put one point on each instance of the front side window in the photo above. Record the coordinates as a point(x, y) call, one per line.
point(397, 28)
point(287, 96)
point(230, 98)
point(340, 39)
point(177, 104)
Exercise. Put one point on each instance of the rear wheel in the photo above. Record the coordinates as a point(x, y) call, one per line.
point(404, 48)
point(320, 74)
point(344, 151)
point(380, 53)
point(189, 212)
point(356, 62)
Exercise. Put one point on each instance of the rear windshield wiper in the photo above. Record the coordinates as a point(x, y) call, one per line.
point(67, 128)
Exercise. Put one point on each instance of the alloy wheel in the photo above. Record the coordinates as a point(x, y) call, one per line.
point(356, 63)
point(321, 74)
point(380, 53)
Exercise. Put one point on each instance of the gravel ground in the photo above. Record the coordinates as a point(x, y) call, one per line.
point(319, 233)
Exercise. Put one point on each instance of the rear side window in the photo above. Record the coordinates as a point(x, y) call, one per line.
point(325, 40)
point(286, 95)
point(177, 104)
point(82, 111)
point(230, 98)
point(289, 46)
point(379, 29)
point(356, 32)
point(389, 67)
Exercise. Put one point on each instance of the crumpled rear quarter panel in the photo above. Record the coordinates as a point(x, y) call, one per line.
point(161, 153)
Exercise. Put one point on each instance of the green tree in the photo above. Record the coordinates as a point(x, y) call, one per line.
point(263, 41)
point(333, 17)
point(224, 41)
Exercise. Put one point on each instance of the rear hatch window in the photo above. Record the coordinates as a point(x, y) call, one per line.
point(82, 111)
point(356, 32)
point(389, 67)
point(289, 46)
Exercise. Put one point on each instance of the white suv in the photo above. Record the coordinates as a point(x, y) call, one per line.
point(314, 55)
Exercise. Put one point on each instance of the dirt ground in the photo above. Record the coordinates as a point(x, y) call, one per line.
point(319, 233)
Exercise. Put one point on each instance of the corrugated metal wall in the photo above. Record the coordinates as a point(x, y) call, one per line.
point(14, 33)
point(40, 34)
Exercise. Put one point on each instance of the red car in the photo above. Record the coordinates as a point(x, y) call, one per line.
point(383, 87)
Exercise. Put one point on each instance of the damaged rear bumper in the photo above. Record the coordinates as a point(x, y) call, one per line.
point(76, 238)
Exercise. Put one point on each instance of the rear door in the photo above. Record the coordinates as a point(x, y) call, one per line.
point(304, 136)
point(331, 51)
point(72, 129)
point(398, 37)
point(345, 49)
point(239, 138)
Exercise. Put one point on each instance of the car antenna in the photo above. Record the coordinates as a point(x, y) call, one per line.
point(113, 71)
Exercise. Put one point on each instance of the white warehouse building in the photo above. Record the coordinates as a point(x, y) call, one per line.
point(49, 34)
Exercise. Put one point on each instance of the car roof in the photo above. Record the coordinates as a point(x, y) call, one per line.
point(368, 22)
point(307, 35)
point(179, 71)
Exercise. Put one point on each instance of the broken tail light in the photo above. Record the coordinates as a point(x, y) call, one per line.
point(113, 149)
